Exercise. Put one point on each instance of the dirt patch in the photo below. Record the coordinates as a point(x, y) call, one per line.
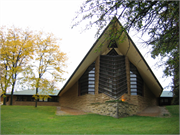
point(69, 111)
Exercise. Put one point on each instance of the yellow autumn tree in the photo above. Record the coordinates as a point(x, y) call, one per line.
point(5, 80)
point(16, 49)
point(49, 61)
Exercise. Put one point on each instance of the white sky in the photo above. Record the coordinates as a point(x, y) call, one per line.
point(55, 16)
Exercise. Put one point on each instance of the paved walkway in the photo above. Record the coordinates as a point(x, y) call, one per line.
point(155, 111)
point(164, 112)
point(68, 111)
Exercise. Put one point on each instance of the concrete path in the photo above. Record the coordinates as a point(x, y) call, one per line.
point(68, 111)
point(155, 111)
point(164, 112)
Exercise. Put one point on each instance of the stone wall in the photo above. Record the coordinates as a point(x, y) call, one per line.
point(115, 109)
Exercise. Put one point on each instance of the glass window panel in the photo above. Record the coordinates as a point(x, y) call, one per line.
point(91, 82)
point(134, 90)
point(133, 86)
point(90, 92)
point(91, 78)
point(91, 75)
point(133, 75)
point(133, 82)
point(28, 98)
point(133, 79)
point(91, 89)
point(87, 80)
point(91, 85)
point(133, 93)
point(92, 71)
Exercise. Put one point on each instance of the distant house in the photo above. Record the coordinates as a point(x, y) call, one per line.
point(165, 98)
point(116, 72)
point(25, 98)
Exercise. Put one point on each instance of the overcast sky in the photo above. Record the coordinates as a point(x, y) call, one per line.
point(55, 16)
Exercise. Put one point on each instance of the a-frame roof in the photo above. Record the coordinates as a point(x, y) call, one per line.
point(128, 48)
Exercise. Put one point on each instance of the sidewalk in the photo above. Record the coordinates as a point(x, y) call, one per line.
point(68, 111)
point(155, 111)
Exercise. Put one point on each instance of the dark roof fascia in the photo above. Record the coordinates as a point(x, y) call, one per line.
point(85, 57)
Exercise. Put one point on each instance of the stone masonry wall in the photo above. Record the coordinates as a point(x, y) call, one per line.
point(116, 109)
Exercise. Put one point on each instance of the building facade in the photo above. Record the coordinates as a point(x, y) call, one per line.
point(117, 71)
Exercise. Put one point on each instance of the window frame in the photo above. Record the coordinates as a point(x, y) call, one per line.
point(86, 83)
point(112, 74)
point(136, 85)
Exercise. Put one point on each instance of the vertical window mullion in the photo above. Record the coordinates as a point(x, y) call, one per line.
point(135, 81)
point(112, 74)
point(87, 81)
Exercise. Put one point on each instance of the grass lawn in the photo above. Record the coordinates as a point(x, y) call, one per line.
point(42, 120)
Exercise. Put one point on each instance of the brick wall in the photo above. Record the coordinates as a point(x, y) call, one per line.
point(148, 99)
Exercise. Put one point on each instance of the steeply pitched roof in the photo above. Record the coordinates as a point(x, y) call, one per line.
point(32, 92)
point(127, 48)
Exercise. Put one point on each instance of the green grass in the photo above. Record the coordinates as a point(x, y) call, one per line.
point(42, 120)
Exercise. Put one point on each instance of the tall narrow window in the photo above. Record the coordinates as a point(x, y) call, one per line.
point(87, 81)
point(136, 82)
point(112, 77)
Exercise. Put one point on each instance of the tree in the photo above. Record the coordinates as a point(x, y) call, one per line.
point(48, 61)
point(160, 19)
point(16, 49)
point(5, 80)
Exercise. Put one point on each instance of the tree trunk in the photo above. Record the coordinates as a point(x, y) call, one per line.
point(36, 103)
point(36, 99)
point(12, 91)
point(4, 102)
